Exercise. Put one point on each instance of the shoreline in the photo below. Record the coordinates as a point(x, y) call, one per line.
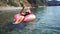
point(15, 8)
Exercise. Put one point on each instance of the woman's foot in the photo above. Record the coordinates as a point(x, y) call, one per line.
point(15, 23)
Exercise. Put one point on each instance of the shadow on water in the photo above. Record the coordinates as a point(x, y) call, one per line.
point(47, 22)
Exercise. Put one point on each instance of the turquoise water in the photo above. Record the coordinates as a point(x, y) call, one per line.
point(47, 22)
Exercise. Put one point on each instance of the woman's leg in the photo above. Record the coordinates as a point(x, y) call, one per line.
point(20, 19)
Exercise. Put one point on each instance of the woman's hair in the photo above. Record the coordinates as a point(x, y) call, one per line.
point(22, 9)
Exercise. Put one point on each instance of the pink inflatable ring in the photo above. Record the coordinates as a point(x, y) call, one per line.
point(27, 18)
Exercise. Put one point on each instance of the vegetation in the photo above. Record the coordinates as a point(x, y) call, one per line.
point(16, 3)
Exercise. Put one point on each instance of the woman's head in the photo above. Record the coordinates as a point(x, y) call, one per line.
point(28, 11)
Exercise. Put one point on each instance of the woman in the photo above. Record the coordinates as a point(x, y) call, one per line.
point(28, 17)
point(19, 17)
